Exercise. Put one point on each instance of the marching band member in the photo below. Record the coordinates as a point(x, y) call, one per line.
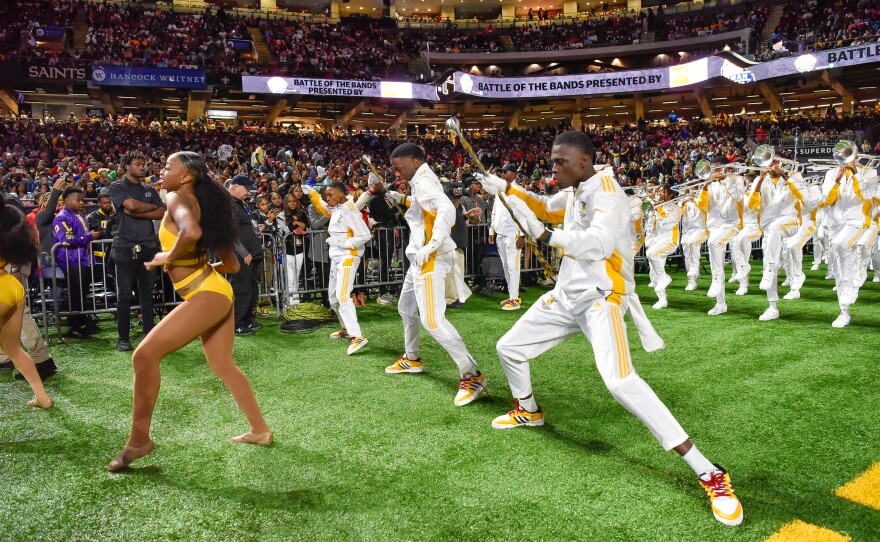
point(741, 246)
point(721, 200)
point(348, 233)
point(430, 218)
point(505, 234)
point(848, 211)
point(820, 239)
point(595, 278)
point(636, 224)
point(866, 253)
point(663, 238)
point(793, 252)
point(778, 200)
point(694, 232)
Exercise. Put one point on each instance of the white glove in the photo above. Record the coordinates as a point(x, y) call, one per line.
point(534, 227)
point(363, 200)
point(307, 190)
point(493, 184)
point(425, 252)
point(333, 242)
point(348, 244)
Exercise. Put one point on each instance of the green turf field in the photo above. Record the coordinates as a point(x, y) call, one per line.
point(790, 407)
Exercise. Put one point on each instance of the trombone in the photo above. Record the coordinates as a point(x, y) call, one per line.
point(845, 153)
point(764, 156)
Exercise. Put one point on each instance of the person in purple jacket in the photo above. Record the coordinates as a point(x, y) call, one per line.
point(69, 228)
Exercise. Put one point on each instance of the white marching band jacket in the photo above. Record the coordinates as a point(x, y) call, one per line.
point(777, 198)
point(597, 251)
point(430, 215)
point(348, 231)
point(851, 200)
point(502, 223)
point(664, 221)
point(722, 202)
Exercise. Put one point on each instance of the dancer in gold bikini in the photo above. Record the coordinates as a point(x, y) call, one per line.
point(199, 220)
point(17, 248)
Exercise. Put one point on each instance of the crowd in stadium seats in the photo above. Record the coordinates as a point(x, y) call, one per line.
point(825, 24)
point(36, 153)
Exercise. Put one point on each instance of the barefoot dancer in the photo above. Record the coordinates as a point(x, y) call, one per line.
point(17, 248)
point(199, 219)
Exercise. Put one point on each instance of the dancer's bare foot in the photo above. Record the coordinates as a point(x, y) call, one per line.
point(262, 439)
point(44, 404)
point(128, 454)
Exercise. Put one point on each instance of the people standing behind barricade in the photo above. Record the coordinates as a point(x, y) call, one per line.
point(457, 291)
point(269, 222)
point(245, 283)
point(104, 217)
point(73, 257)
point(134, 243)
point(388, 217)
point(295, 239)
point(476, 210)
point(318, 262)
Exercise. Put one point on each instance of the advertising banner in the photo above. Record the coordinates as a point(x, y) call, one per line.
point(57, 73)
point(127, 76)
point(47, 33)
point(246, 45)
point(338, 87)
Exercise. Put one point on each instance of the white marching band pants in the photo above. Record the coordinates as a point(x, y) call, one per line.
point(510, 261)
point(691, 242)
point(775, 235)
point(843, 249)
point(550, 321)
point(719, 238)
point(423, 303)
point(342, 275)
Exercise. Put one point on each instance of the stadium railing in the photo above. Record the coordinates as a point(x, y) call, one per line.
point(284, 279)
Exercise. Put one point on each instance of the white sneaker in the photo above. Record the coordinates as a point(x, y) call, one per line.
point(769, 314)
point(744, 272)
point(716, 288)
point(794, 294)
point(661, 304)
point(841, 321)
point(876, 278)
point(767, 280)
point(719, 308)
point(652, 284)
point(814, 267)
point(743, 290)
point(829, 276)
point(786, 282)
point(356, 344)
point(691, 286)
point(798, 281)
point(725, 505)
point(733, 279)
point(664, 281)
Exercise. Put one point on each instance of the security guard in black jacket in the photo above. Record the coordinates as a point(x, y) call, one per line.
point(249, 250)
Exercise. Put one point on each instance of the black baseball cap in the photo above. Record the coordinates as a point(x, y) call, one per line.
point(243, 180)
point(510, 167)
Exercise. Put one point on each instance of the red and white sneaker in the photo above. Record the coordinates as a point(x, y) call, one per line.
point(469, 388)
point(518, 417)
point(725, 505)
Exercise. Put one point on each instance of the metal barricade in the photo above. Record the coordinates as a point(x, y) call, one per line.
point(84, 292)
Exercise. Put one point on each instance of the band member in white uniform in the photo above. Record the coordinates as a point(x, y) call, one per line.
point(505, 234)
point(721, 200)
point(793, 251)
point(594, 277)
point(430, 216)
point(741, 246)
point(693, 234)
point(348, 233)
point(663, 239)
point(848, 211)
point(778, 200)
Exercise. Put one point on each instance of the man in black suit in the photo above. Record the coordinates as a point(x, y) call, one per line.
point(245, 283)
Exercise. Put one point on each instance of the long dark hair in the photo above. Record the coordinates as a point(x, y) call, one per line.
point(217, 218)
point(17, 240)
